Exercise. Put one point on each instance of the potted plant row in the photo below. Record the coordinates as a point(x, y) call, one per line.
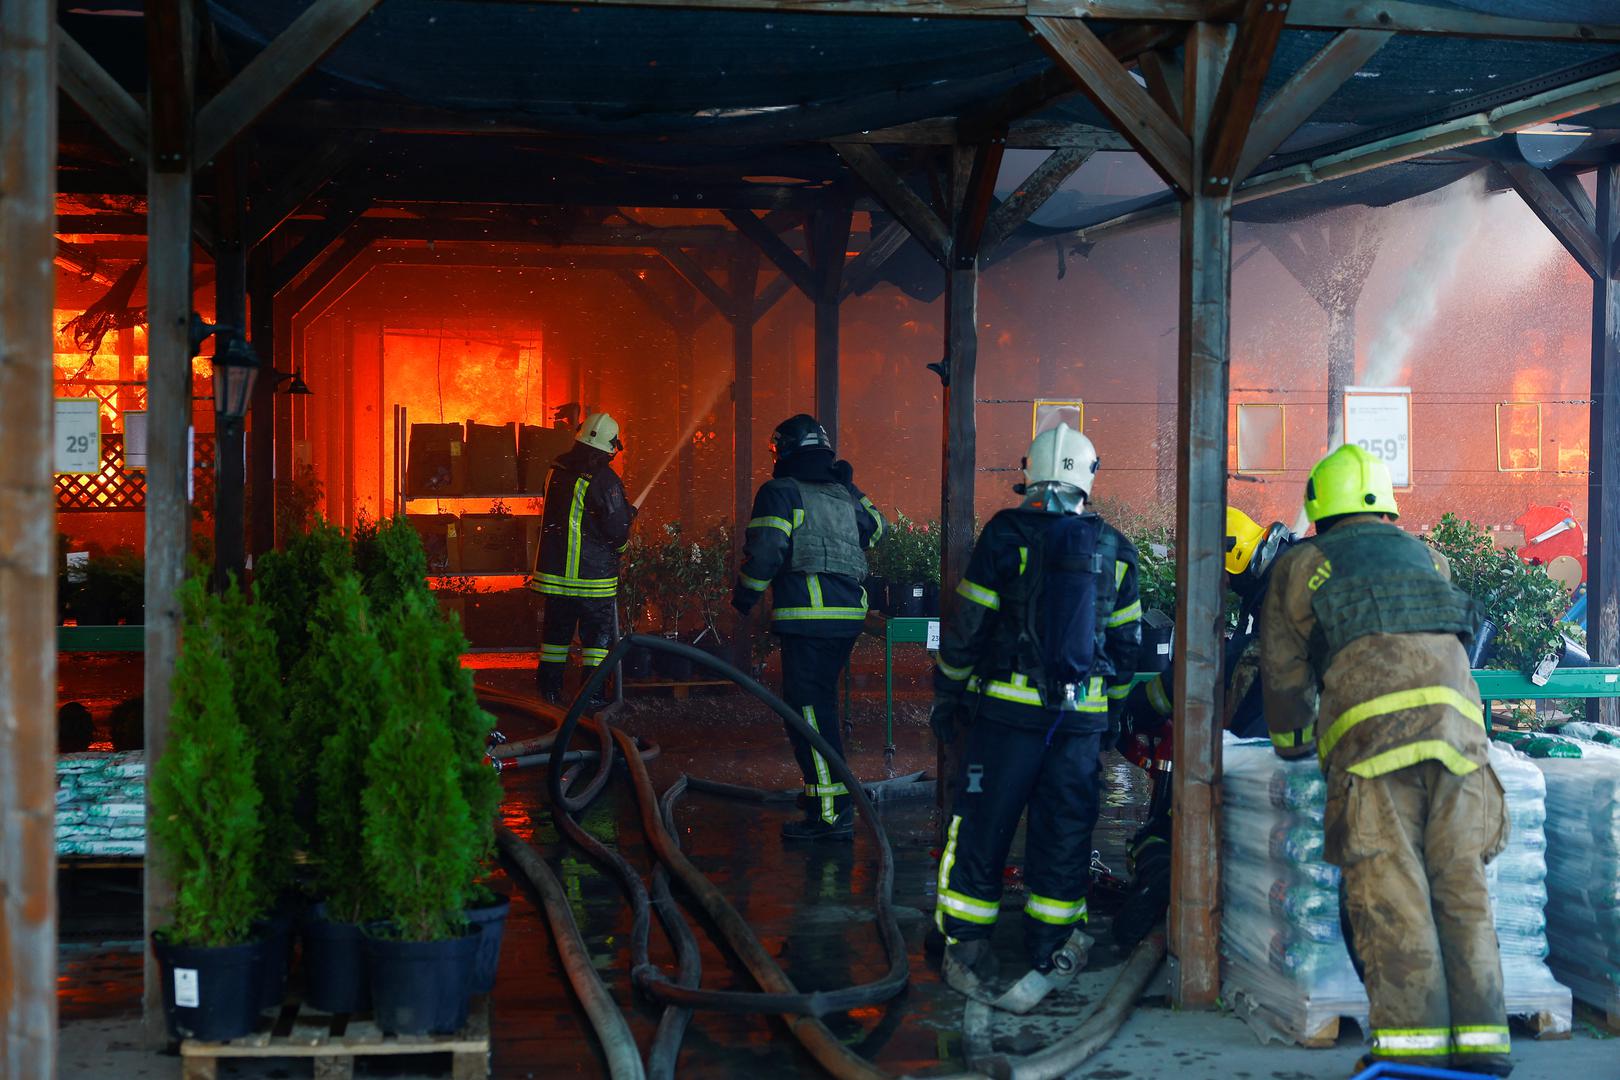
point(326, 744)
point(904, 579)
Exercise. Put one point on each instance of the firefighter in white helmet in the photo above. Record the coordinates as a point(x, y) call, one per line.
point(1039, 650)
point(585, 529)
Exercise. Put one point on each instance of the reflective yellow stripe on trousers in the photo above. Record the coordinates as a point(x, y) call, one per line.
point(829, 809)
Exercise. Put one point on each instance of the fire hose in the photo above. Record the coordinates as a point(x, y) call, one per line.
point(800, 1011)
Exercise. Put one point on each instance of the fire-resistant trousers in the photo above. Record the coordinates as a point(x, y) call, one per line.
point(1006, 770)
point(1413, 845)
point(563, 615)
point(811, 666)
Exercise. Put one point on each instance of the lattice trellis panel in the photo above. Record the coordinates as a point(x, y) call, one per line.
point(115, 488)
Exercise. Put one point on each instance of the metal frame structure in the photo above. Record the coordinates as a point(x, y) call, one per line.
point(1197, 120)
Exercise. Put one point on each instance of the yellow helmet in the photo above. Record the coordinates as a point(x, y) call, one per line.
point(1243, 536)
point(1349, 481)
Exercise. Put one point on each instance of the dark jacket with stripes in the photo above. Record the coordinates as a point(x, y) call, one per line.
point(999, 557)
point(585, 529)
point(826, 605)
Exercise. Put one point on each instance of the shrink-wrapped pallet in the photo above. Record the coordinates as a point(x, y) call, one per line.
point(101, 804)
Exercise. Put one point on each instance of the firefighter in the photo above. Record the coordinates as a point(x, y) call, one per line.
point(807, 541)
point(1362, 653)
point(585, 529)
point(1037, 652)
point(1252, 551)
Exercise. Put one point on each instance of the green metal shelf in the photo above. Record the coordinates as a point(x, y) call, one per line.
point(101, 638)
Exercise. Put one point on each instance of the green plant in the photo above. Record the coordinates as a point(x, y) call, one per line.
point(281, 755)
point(697, 572)
point(338, 698)
point(391, 561)
point(637, 570)
point(1156, 569)
point(422, 846)
point(206, 825)
point(292, 581)
point(909, 551)
point(298, 500)
point(1526, 605)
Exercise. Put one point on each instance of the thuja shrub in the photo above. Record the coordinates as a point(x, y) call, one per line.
point(206, 827)
point(292, 581)
point(390, 560)
point(1526, 605)
point(421, 846)
point(280, 758)
point(338, 699)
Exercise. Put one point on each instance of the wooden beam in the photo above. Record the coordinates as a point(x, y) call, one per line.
point(742, 281)
point(1603, 499)
point(773, 248)
point(1127, 104)
point(171, 51)
point(865, 266)
point(28, 147)
point(1026, 134)
point(268, 209)
point(1161, 71)
point(771, 294)
point(897, 197)
point(113, 109)
point(1306, 91)
point(697, 277)
point(1031, 195)
point(1562, 218)
point(1201, 448)
point(981, 165)
point(644, 291)
point(828, 236)
point(1596, 92)
point(1258, 32)
point(273, 72)
point(325, 233)
point(1415, 18)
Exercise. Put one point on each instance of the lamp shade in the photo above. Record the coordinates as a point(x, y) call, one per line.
point(236, 367)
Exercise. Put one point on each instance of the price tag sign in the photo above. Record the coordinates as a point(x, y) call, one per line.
point(135, 440)
point(1379, 420)
point(78, 435)
point(933, 635)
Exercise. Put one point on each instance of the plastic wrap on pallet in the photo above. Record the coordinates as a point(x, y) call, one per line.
point(1583, 870)
point(1287, 967)
point(101, 804)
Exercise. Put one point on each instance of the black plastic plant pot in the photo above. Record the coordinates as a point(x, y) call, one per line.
point(210, 993)
point(420, 987)
point(335, 973)
point(1484, 645)
point(930, 599)
point(877, 593)
point(909, 602)
point(491, 920)
point(276, 930)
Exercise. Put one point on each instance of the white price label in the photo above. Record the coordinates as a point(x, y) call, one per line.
point(1380, 422)
point(933, 635)
point(78, 435)
point(186, 993)
point(135, 440)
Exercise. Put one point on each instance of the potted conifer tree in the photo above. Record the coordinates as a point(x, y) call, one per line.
point(421, 844)
point(208, 830)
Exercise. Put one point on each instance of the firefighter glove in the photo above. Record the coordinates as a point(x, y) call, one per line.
point(945, 717)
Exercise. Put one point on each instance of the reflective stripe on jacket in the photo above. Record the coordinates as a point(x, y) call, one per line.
point(585, 528)
point(1382, 702)
point(1000, 557)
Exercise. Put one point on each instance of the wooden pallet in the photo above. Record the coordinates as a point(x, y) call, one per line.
point(680, 691)
point(333, 1042)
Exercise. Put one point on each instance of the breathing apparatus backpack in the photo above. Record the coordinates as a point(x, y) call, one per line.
point(1052, 623)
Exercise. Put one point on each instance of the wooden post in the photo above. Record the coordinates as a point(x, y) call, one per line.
point(27, 540)
point(1206, 288)
point(1603, 497)
point(262, 461)
point(744, 277)
point(168, 412)
point(230, 316)
point(959, 455)
point(828, 235)
point(685, 326)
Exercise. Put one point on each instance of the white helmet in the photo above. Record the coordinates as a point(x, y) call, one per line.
point(1061, 455)
point(601, 431)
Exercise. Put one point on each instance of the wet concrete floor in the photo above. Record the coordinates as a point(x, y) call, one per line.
point(812, 908)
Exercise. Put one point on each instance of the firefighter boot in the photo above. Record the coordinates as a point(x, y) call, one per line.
point(814, 827)
point(550, 683)
point(971, 969)
point(1054, 973)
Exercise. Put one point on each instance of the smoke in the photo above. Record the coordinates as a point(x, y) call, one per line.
point(1446, 224)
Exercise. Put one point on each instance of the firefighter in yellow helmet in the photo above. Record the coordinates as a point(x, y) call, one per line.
point(585, 529)
point(1363, 655)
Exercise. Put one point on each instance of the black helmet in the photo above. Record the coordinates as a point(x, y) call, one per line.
point(798, 433)
point(1276, 540)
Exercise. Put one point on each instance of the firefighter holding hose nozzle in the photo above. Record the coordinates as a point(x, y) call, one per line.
point(807, 541)
point(1036, 655)
point(1252, 550)
point(1362, 653)
point(584, 531)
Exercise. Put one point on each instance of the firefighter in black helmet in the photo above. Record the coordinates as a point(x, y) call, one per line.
point(585, 529)
point(807, 541)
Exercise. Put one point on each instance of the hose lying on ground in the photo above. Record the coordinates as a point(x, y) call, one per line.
point(672, 1024)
